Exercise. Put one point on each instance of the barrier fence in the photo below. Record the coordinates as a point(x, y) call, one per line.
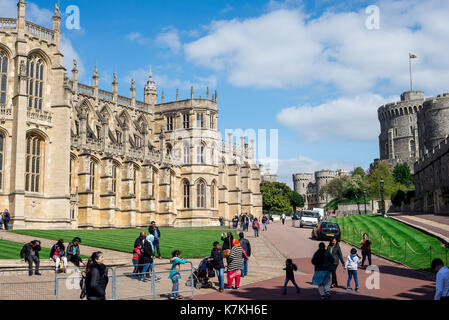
point(16, 284)
point(401, 252)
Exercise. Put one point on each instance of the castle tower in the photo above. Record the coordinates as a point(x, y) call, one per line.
point(301, 184)
point(398, 139)
point(433, 123)
point(322, 178)
point(150, 96)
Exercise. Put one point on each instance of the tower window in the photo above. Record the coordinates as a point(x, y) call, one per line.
point(35, 82)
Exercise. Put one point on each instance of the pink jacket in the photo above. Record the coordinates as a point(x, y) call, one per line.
point(256, 225)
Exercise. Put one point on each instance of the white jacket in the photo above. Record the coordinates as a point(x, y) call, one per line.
point(352, 262)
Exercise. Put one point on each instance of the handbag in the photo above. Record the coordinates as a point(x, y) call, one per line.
point(227, 252)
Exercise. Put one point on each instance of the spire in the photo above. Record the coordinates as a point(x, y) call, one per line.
point(177, 94)
point(162, 97)
point(191, 92)
point(150, 82)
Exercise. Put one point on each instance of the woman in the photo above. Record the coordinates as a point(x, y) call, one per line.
point(96, 277)
point(227, 241)
point(256, 227)
point(264, 222)
point(323, 261)
point(216, 256)
point(235, 263)
point(57, 253)
point(366, 249)
point(334, 249)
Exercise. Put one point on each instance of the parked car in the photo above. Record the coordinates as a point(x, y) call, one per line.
point(326, 230)
point(308, 218)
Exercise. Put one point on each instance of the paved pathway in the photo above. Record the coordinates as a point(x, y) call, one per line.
point(433, 224)
point(396, 281)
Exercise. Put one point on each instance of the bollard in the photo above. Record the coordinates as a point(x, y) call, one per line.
point(56, 286)
point(114, 284)
point(153, 282)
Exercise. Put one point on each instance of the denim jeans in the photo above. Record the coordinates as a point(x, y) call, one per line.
point(352, 273)
point(256, 232)
point(244, 268)
point(293, 281)
point(156, 247)
point(175, 289)
point(220, 276)
point(364, 255)
point(136, 267)
point(146, 266)
point(264, 226)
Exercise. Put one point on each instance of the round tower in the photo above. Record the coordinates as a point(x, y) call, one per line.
point(322, 177)
point(301, 182)
point(399, 139)
point(150, 90)
point(433, 123)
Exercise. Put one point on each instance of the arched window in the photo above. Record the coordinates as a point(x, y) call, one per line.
point(134, 180)
point(35, 82)
point(3, 77)
point(186, 192)
point(186, 154)
point(412, 146)
point(200, 153)
point(33, 163)
point(168, 149)
point(200, 194)
point(212, 195)
point(92, 171)
point(2, 152)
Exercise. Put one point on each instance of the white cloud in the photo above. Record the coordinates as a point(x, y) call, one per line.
point(8, 8)
point(226, 9)
point(301, 164)
point(69, 55)
point(169, 39)
point(137, 37)
point(287, 48)
point(343, 118)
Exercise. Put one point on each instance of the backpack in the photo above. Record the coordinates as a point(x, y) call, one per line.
point(83, 285)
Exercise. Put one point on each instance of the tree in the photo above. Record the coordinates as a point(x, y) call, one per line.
point(358, 172)
point(402, 174)
point(383, 170)
point(334, 188)
point(352, 187)
point(296, 200)
point(275, 196)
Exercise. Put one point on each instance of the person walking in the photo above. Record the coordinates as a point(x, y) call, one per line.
point(283, 218)
point(57, 254)
point(137, 257)
point(264, 223)
point(216, 256)
point(323, 262)
point(256, 227)
point(147, 259)
point(442, 280)
point(150, 239)
point(154, 230)
point(290, 268)
point(352, 262)
point(246, 223)
point(366, 249)
point(96, 277)
point(174, 275)
point(6, 219)
point(246, 246)
point(73, 252)
point(30, 254)
point(235, 221)
point(335, 250)
point(235, 265)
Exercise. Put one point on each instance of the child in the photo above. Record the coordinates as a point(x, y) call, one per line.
point(352, 261)
point(137, 256)
point(174, 275)
point(290, 267)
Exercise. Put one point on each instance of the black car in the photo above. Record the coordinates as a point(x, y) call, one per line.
point(326, 230)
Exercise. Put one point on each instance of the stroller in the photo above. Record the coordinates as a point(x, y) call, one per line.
point(202, 274)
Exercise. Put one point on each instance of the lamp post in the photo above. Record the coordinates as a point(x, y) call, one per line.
point(364, 196)
point(382, 196)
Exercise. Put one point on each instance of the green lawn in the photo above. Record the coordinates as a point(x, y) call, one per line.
point(11, 250)
point(393, 240)
point(193, 243)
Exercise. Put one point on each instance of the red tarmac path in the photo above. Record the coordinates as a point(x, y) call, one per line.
point(396, 281)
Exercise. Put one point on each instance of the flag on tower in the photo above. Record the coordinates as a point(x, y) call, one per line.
point(412, 56)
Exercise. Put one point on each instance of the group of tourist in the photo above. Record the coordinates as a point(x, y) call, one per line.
point(58, 254)
point(5, 218)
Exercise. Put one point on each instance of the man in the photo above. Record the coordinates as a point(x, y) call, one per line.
point(244, 243)
point(6, 219)
point(147, 258)
point(283, 218)
point(442, 280)
point(30, 253)
point(246, 225)
point(235, 222)
point(73, 252)
point(154, 230)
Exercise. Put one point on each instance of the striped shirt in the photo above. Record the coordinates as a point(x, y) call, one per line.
point(235, 261)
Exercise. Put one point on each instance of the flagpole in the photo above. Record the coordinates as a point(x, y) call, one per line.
point(410, 70)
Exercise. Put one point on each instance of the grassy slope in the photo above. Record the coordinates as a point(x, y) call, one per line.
point(192, 243)
point(11, 250)
point(381, 230)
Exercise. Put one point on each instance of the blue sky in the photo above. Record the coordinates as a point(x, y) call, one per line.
point(311, 69)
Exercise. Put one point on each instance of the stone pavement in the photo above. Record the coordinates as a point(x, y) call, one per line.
point(433, 224)
point(395, 281)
